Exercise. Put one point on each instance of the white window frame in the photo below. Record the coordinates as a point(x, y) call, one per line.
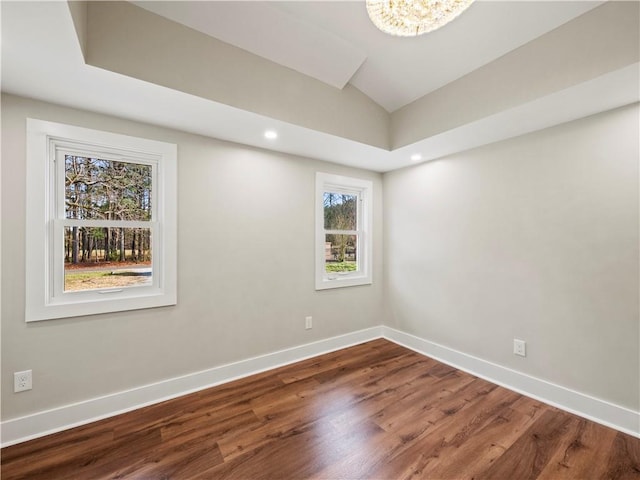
point(363, 189)
point(45, 222)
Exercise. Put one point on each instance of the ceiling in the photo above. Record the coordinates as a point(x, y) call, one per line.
point(336, 42)
point(333, 42)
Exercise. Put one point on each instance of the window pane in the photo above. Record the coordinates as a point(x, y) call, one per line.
point(340, 211)
point(97, 189)
point(340, 253)
point(99, 258)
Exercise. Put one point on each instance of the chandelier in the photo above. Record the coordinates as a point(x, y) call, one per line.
point(410, 18)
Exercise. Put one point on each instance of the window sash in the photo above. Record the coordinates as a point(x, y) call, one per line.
point(330, 276)
point(358, 233)
point(58, 253)
point(58, 182)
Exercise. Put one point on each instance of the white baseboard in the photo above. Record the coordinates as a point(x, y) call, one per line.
point(599, 411)
point(43, 423)
point(68, 416)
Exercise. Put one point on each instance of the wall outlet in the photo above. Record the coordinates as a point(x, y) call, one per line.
point(22, 381)
point(308, 323)
point(519, 347)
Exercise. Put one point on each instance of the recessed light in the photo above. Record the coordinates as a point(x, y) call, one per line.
point(416, 157)
point(271, 134)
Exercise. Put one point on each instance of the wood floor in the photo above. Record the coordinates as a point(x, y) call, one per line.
point(373, 411)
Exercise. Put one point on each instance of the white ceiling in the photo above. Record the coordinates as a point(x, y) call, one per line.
point(335, 42)
point(41, 58)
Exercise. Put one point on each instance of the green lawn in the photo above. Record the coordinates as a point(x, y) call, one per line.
point(341, 267)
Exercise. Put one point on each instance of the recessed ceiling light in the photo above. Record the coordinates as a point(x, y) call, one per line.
point(271, 134)
point(416, 157)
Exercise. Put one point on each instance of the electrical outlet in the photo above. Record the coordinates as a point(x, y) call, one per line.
point(308, 323)
point(22, 381)
point(519, 347)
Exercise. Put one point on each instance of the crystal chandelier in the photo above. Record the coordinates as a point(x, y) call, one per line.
point(410, 18)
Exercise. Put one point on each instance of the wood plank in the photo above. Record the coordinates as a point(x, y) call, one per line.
point(624, 458)
point(582, 453)
point(470, 458)
point(529, 455)
point(453, 420)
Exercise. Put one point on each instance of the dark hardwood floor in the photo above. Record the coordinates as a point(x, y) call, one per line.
point(373, 411)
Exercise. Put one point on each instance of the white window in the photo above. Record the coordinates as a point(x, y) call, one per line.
point(343, 231)
point(101, 222)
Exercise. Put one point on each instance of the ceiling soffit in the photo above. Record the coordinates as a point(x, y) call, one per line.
point(126, 39)
point(271, 33)
point(592, 45)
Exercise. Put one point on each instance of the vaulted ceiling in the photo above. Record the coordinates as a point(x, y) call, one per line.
point(331, 84)
point(336, 43)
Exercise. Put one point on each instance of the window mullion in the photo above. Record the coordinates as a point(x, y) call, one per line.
point(342, 232)
point(73, 222)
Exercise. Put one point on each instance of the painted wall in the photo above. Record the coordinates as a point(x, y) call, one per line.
point(245, 271)
point(534, 238)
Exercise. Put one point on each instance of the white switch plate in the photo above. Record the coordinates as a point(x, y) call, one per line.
point(519, 347)
point(22, 381)
point(308, 323)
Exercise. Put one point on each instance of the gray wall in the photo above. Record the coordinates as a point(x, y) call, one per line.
point(535, 238)
point(245, 271)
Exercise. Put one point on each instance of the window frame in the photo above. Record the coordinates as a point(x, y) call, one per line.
point(47, 143)
point(363, 190)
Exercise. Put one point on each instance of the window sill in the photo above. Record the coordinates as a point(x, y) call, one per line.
point(340, 282)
